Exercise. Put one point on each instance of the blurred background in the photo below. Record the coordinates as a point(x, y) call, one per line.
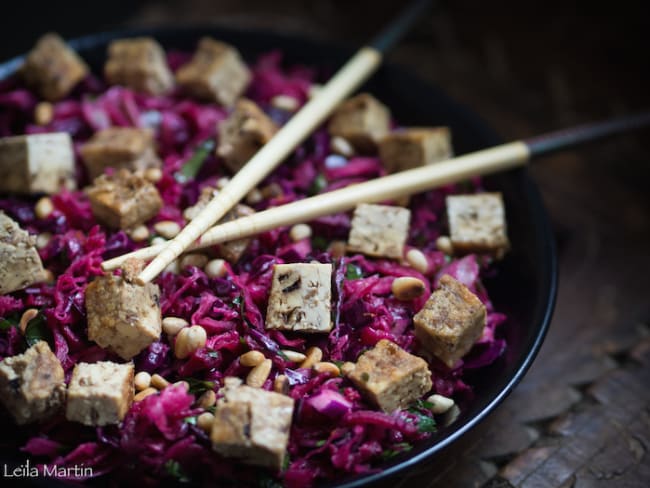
point(581, 417)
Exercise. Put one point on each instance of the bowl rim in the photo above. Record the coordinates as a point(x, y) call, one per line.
point(538, 211)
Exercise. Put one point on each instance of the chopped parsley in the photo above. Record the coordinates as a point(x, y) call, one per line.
point(175, 470)
point(318, 185)
point(37, 330)
point(193, 165)
point(197, 387)
point(397, 449)
point(353, 272)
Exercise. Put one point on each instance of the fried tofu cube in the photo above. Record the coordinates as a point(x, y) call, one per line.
point(36, 163)
point(138, 63)
point(300, 299)
point(100, 393)
point(215, 73)
point(414, 147)
point(52, 68)
point(361, 120)
point(390, 377)
point(119, 147)
point(379, 230)
point(123, 316)
point(477, 223)
point(252, 425)
point(32, 384)
point(451, 321)
point(123, 200)
point(20, 264)
point(243, 133)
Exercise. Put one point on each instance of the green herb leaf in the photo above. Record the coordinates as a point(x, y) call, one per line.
point(353, 272)
point(193, 165)
point(318, 185)
point(398, 449)
point(190, 420)
point(321, 443)
point(197, 387)
point(425, 422)
point(175, 470)
point(37, 330)
point(319, 242)
point(6, 324)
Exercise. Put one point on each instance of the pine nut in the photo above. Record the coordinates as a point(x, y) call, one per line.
point(259, 374)
point(28, 315)
point(299, 232)
point(326, 367)
point(254, 197)
point(184, 383)
point(285, 102)
point(337, 249)
point(222, 182)
point(191, 212)
point(281, 384)
point(443, 243)
point(407, 288)
point(293, 356)
point(347, 368)
point(197, 259)
point(43, 239)
point(153, 175)
point(139, 233)
point(167, 228)
point(158, 240)
point(43, 113)
point(314, 355)
point(251, 359)
point(216, 268)
point(43, 208)
point(174, 267)
point(208, 399)
point(173, 325)
point(440, 404)
point(314, 90)
point(188, 340)
point(159, 382)
point(142, 380)
point(272, 190)
point(341, 146)
point(144, 394)
point(417, 260)
point(205, 421)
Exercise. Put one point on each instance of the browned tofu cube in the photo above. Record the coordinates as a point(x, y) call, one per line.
point(243, 133)
point(20, 264)
point(119, 147)
point(138, 63)
point(100, 393)
point(252, 425)
point(361, 120)
point(451, 321)
point(216, 73)
point(477, 223)
point(379, 230)
point(36, 163)
point(300, 299)
point(390, 377)
point(123, 316)
point(410, 148)
point(32, 384)
point(123, 200)
point(52, 68)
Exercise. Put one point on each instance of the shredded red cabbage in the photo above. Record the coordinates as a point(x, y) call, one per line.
point(335, 431)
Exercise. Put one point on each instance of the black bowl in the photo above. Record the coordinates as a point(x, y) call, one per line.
point(525, 286)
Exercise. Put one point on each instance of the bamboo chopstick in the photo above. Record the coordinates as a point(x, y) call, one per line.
point(486, 161)
point(297, 129)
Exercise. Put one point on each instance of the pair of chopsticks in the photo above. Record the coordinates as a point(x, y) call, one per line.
point(347, 79)
point(409, 182)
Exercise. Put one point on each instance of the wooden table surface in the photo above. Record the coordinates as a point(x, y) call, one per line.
point(581, 416)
